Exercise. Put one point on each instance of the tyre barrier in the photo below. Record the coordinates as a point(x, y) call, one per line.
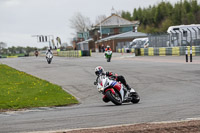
point(163, 51)
point(71, 53)
point(75, 53)
point(14, 56)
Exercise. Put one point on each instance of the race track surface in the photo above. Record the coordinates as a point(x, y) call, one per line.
point(169, 89)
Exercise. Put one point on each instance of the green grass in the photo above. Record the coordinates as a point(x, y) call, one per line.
point(19, 90)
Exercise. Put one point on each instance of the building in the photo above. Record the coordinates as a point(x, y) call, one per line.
point(109, 27)
point(119, 41)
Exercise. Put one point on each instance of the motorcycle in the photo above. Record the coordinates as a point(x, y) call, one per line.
point(108, 55)
point(49, 58)
point(36, 53)
point(115, 91)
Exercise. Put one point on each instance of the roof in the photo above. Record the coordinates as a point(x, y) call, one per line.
point(125, 35)
point(86, 41)
point(184, 27)
point(115, 20)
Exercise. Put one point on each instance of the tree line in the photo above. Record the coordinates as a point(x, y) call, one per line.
point(158, 18)
point(19, 50)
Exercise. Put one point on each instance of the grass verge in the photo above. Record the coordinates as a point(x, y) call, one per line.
point(19, 90)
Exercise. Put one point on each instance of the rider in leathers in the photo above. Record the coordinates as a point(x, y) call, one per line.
point(99, 70)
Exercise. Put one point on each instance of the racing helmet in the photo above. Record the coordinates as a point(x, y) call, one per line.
point(108, 46)
point(99, 70)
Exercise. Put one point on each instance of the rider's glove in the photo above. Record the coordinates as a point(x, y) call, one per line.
point(107, 73)
point(95, 83)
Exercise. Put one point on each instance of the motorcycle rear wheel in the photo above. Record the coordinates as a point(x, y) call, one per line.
point(115, 98)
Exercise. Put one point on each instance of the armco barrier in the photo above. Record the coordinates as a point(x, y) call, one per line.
point(175, 51)
point(70, 53)
point(132, 50)
point(163, 51)
point(150, 51)
point(75, 53)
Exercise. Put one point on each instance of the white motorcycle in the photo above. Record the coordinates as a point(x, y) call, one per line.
point(49, 57)
point(115, 91)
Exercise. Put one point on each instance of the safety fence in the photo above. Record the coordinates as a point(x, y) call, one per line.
point(163, 51)
point(13, 56)
point(123, 50)
point(73, 53)
point(173, 51)
point(10, 56)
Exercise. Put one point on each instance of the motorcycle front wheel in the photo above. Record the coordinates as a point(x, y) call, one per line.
point(135, 97)
point(115, 98)
point(49, 61)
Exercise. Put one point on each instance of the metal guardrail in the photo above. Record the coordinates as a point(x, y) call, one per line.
point(77, 53)
point(163, 51)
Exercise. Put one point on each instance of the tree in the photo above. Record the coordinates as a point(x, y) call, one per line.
point(2, 45)
point(159, 17)
point(100, 18)
point(126, 15)
point(12, 50)
point(30, 49)
point(20, 49)
point(135, 14)
point(80, 23)
point(119, 13)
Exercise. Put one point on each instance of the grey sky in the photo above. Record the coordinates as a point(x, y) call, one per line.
point(19, 19)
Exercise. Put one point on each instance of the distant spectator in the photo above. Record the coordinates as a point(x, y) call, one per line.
point(99, 48)
point(102, 48)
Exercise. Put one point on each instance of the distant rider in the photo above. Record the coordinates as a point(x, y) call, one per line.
point(108, 48)
point(36, 52)
point(49, 51)
point(99, 70)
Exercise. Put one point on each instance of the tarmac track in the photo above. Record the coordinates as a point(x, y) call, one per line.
point(169, 89)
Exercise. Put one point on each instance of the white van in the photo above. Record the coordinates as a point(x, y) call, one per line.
point(140, 43)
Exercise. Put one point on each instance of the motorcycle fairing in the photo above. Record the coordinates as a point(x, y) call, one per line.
point(111, 89)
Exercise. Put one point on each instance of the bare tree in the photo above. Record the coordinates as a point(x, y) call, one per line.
point(2, 46)
point(80, 23)
point(119, 13)
point(100, 18)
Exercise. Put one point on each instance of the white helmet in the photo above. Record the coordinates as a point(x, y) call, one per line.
point(108, 46)
point(99, 70)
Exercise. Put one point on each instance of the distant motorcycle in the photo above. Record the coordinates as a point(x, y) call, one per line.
point(36, 53)
point(49, 57)
point(115, 91)
point(108, 55)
